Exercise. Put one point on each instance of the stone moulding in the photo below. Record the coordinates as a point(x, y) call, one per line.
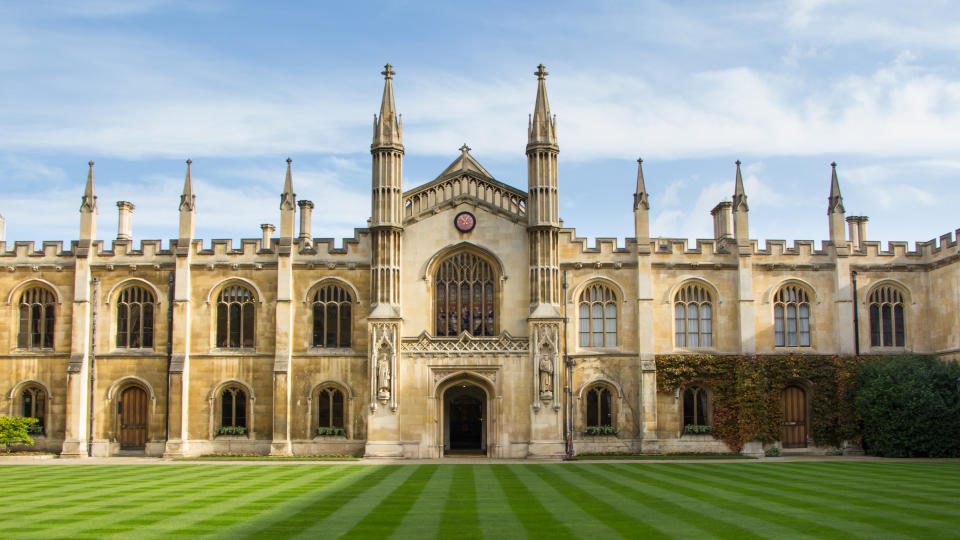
point(464, 344)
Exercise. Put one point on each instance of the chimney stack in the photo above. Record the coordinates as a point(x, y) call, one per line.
point(858, 231)
point(722, 221)
point(267, 235)
point(3, 229)
point(124, 220)
point(306, 213)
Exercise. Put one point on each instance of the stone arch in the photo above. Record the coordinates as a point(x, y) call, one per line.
point(490, 427)
point(238, 280)
point(312, 412)
point(685, 280)
point(14, 399)
point(118, 287)
point(430, 266)
point(328, 280)
point(214, 396)
point(772, 291)
point(888, 282)
point(590, 280)
point(129, 380)
point(600, 380)
point(19, 287)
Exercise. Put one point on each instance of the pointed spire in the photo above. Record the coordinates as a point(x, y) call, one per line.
point(188, 201)
point(835, 200)
point(288, 197)
point(640, 197)
point(739, 195)
point(387, 127)
point(89, 200)
point(542, 128)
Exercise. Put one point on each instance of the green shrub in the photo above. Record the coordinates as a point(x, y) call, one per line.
point(232, 430)
point(773, 451)
point(695, 429)
point(600, 430)
point(909, 407)
point(14, 430)
point(331, 431)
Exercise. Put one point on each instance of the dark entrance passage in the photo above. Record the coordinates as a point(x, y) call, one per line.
point(465, 426)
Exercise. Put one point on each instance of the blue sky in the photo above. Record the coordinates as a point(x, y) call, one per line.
point(786, 87)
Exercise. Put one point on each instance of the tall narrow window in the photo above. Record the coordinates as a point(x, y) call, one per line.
point(886, 317)
point(235, 317)
point(36, 319)
point(330, 412)
point(465, 296)
point(331, 317)
point(599, 407)
point(693, 314)
point(33, 404)
point(598, 316)
point(233, 408)
point(791, 317)
point(135, 306)
point(695, 405)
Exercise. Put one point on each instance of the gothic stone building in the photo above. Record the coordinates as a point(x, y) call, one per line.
point(464, 318)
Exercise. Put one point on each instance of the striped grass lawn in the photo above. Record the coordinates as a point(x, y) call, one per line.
point(571, 500)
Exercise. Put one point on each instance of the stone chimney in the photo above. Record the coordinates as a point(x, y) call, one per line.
point(722, 221)
point(306, 213)
point(857, 226)
point(3, 229)
point(267, 235)
point(124, 220)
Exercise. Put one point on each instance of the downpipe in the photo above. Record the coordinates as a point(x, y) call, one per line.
point(856, 315)
point(170, 284)
point(93, 364)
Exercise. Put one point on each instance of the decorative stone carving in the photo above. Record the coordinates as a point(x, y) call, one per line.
point(545, 357)
point(442, 372)
point(384, 337)
point(465, 344)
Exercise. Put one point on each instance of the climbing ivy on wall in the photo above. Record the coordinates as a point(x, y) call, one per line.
point(746, 393)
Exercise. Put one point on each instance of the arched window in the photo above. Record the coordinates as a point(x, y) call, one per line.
point(235, 317)
point(135, 306)
point(233, 411)
point(465, 296)
point(33, 404)
point(331, 317)
point(886, 317)
point(330, 408)
point(791, 317)
point(695, 409)
point(36, 319)
point(598, 316)
point(599, 406)
point(693, 315)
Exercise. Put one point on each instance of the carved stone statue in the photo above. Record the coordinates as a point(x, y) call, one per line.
point(545, 364)
point(383, 373)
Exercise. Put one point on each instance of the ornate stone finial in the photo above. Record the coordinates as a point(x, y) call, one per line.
point(464, 149)
point(639, 160)
point(90, 163)
point(388, 72)
point(541, 72)
point(833, 164)
point(737, 162)
point(189, 161)
point(289, 161)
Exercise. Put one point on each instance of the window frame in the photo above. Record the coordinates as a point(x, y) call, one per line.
point(600, 388)
point(233, 389)
point(315, 416)
point(41, 401)
point(145, 291)
point(789, 302)
point(490, 294)
point(702, 399)
point(890, 295)
point(252, 302)
point(346, 293)
point(46, 300)
point(701, 295)
point(608, 300)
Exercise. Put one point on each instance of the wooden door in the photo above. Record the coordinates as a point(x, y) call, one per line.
point(794, 417)
point(133, 419)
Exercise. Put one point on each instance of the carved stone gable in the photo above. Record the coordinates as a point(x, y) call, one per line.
point(464, 344)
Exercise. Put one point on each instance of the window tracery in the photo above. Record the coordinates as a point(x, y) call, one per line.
point(598, 316)
point(332, 322)
point(37, 316)
point(465, 300)
point(886, 317)
point(135, 318)
point(791, 314)
point(693, 316)
point(235, 317)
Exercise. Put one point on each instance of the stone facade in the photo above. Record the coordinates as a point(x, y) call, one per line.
point(408, 361)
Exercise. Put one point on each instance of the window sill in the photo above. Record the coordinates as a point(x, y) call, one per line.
point(330, 351)
point(133, 352)
point(797, 348)
point(697, 436)
point(331, 438)
point(889, 350)
point(239, 351)
point(695, 350)
point(232, 437)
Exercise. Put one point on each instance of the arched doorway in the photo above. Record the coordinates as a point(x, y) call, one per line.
point(465, 420)
point(794, 417)
point(133, 418)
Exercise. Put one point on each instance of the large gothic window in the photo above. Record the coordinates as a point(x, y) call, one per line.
point(36, 319)
point(598, 316)
point(886, 317)
point(599, 406)
point(135, 307)
point(331, 317)
point(465, 296)
point(791, 317)
point(235, 317)
point(693, 316)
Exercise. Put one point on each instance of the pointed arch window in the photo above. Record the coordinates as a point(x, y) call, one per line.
point(236, 311)
point(233, 411)
point(696, 409)
point(37, 318)
point(332, 317)
point(33, 404)
point(331, 410)
point(598, 316)
point(135, 317)
point(886, 317)
point(693, 316)
point(464, 295)
point(791, 317)
point(599, 406)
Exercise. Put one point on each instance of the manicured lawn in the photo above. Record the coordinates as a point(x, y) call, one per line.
point(572, 500)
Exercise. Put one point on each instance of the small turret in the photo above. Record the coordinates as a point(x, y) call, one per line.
point(388, 126)
point(641, 206)
point(542, 128)
point(741, 223)
point(88, 209)
point(835, 210)
point(188, 206)
point(288, 204)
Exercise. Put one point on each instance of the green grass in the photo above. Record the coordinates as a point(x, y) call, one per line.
point(569, 500)
point(268, 458)
point(658, 457)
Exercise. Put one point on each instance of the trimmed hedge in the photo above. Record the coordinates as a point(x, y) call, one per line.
point(910, 407)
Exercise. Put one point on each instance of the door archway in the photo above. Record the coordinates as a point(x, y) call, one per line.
point(133, 418)
point(794, 417)
point(465, 420)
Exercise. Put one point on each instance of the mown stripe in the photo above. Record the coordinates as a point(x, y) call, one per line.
point(460, 513)
point(527, 508)
point(423, 519)
point(386, 516)
point(684, 508)
point(496, 518)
